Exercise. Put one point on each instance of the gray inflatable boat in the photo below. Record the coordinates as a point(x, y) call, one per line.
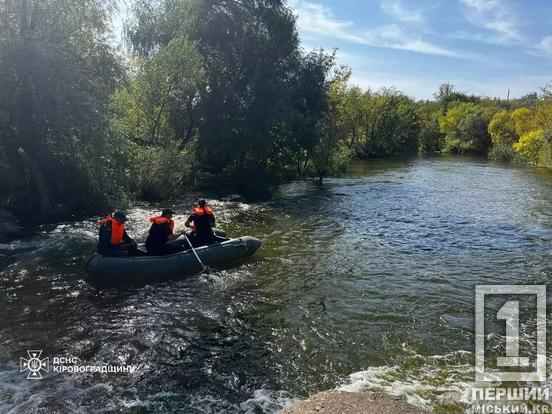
point(104, 271)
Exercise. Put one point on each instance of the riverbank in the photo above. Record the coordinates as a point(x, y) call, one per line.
point(343, 402)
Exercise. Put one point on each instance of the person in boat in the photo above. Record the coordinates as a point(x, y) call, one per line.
point(113, 238)
point(161, 235)
point(202, 223)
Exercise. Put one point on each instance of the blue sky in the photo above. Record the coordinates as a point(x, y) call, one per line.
point(482, 46)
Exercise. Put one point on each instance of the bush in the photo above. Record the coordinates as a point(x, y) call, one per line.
point(530, 146)
point(503, 153)
point(159, 173)
point(430, 138)
point(465, 129)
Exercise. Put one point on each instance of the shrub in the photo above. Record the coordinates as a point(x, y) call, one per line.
point(159, 172)
point(503, 153)
point(530, 145)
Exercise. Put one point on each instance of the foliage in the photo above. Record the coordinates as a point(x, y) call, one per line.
point(209, 94)
point(157, 167)
point(380, 124)
point(523, 121)
point(258, 111)
point(501, 152)
point(447, 96)
point(58, 73)
point(328, 156)
point(530, 145)
point(502, 129)
point(431, 138)
point(465, 129)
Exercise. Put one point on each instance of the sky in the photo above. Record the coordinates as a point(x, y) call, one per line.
point(484, 47)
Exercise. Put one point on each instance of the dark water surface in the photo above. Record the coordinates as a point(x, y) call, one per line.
point(364, 283)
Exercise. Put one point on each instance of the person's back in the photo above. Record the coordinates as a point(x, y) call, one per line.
point(203, 221)
point(113, 239)
point(160, 235)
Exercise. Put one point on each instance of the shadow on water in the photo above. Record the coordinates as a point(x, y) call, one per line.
point(365, 282)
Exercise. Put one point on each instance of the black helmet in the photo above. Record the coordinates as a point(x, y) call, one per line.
point(201, 202)
point(120, 215)
point(167, 211)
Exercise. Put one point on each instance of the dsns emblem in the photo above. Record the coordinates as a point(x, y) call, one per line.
point(34, 364)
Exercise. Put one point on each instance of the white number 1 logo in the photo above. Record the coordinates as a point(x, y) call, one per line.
point(509, 365)
point(510, 313)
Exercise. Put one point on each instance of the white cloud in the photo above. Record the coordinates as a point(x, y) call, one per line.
point(496, 16)
point(545, 45)
point(395, 9)
point(317, 19)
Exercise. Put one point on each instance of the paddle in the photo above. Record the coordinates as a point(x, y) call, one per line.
point(205, 268)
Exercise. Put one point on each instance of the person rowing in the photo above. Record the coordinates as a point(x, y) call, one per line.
point(202, 222)
point(113, 238)
point(161, 237)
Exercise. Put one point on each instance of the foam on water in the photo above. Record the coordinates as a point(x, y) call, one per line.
point(429, 382)
point(267, 402)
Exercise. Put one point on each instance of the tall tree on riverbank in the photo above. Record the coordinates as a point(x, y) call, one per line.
point(248, 108)
point(57, 75)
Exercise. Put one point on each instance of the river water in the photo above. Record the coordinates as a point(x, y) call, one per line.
point(364, 283)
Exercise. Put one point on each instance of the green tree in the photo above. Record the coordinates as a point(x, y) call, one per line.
point(465, 129)
point(431, 137)
point(58, 73)
point(472, 132)
point(329, 154)
point(309, 101)
point(447, 96)
point(249, 111)
point(391, 125)
point(502, 129)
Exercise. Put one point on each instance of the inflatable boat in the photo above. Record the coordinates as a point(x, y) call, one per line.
point(106, 271)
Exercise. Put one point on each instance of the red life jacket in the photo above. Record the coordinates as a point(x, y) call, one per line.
point(202, 210)
point(161, 220)
point(117, 230)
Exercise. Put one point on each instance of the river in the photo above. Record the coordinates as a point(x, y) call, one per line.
point(364, 283)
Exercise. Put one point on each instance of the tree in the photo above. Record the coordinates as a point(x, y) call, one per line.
point(390, 124)
point(430, 139)
point(58, 73)
point(472, 132)
point(262, 99)
point(502, 129)
point(445, 91)
point(465, 129)
point(327, 155)
point(309, 101)
point(159, 106)
point(546, 92)
point(530, 146)
point(448, 96)
point(523, 119)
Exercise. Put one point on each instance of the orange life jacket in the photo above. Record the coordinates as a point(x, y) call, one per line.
point(201, 211)
point(161, 220)
point(117, 230)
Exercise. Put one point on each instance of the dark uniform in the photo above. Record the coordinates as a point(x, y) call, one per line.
point(158, 243)
point(113, 238)
point(204, 221)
